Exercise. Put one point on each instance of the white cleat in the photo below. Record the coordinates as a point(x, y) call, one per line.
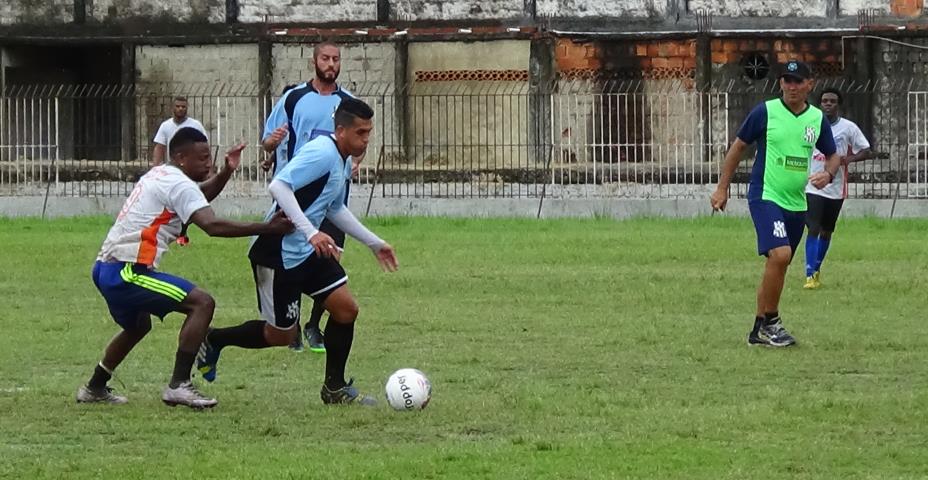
point(186, 394)
point(86, 394)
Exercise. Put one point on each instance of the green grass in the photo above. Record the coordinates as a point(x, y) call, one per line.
point(557, 349)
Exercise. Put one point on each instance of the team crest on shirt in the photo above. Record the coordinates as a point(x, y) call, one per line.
point(810, 134)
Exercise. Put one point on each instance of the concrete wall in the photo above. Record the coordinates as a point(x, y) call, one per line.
point(36, 11)
point(367, 70)
point(851, 7)
point(196, 72)
point(464, 123)
point(761, 8)
point(199, 11)
point(601, 8)
point(364, 12)
point(316, 11)
point(458, 9)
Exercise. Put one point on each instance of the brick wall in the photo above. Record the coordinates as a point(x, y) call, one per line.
point(823, 54)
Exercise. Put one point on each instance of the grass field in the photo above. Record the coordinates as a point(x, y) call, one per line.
point(557, 349)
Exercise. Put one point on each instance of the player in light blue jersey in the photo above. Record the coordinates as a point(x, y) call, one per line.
point(303, 113)
point(311, 187)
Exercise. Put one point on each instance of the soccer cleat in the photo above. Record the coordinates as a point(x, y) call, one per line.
point(297, 344)
point(315, 340)
point(818, 279)
point(812, 282)
point(86, 394)
point(771, 334)
point(186, 394)
point(347, 395)
point(207, 358)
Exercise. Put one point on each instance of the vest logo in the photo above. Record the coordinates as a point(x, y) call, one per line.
point(810, 134)
point(799, 164)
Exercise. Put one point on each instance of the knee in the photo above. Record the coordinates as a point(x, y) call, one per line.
point(200, 300)
point(780, 257)
point(346, 312)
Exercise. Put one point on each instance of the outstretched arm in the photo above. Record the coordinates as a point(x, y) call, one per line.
point(214, 226)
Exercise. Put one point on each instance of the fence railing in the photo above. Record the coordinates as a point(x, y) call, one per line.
point(634, 139)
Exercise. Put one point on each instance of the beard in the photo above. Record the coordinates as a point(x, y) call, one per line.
point(326, 76)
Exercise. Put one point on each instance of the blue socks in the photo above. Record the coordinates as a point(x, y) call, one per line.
point(822, 250)
point(812, 261)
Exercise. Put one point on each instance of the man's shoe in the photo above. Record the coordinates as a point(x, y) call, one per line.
point(186, 394)
point(347, 395)
point(86, 394)
point(315, 340)
point(771, 335)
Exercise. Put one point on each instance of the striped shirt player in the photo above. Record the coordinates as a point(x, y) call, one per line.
point(306, 111)
point(785, 130)
point(125, 271)
point(309, 188)
point(307, 114)
point(825, 203)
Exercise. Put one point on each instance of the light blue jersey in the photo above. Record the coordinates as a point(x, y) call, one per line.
point(317, 175)
point(307, 114)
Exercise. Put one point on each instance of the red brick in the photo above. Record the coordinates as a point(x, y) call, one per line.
point(641, 50)
point(675, 62)
point(719, 57)
point(644, 63)
point(746, 46)
point(730, 46)
point(689, 62)
point(763, 45)
point(659, 62)
point(652, 50)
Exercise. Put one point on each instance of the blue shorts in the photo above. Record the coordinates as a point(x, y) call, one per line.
point(775, 226)
point(132, 289)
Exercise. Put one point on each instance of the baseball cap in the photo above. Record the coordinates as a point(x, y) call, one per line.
point(796, 69)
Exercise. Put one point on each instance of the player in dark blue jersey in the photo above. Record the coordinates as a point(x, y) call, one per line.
point(310, 187)
point(303, 113)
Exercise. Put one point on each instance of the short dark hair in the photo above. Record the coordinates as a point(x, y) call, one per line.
point(834, 91)
point(180, 98)
point(185, 137)
point(351, 108)
point(324, 43)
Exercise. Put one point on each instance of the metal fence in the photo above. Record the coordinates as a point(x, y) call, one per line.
point(633, 139)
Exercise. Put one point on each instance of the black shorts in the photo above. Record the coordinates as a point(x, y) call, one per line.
point(331, 230)
point(280, 291)
point(823, 213)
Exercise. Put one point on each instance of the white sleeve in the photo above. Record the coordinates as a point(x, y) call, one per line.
point(287, 202)
point(348, 223)
point(161, 137)
point(186, 198)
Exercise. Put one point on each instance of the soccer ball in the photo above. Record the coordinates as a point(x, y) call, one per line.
point(408, 389)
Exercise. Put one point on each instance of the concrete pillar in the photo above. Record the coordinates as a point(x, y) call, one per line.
point(704, 85)
point(127, 104)
point(401, 91)
point(541, 78)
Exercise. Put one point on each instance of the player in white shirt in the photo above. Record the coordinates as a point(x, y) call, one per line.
point(125, 272)
point(825, 203)
point(169, 127)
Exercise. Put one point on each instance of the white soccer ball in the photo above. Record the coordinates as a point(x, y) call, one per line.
point(408, 389)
